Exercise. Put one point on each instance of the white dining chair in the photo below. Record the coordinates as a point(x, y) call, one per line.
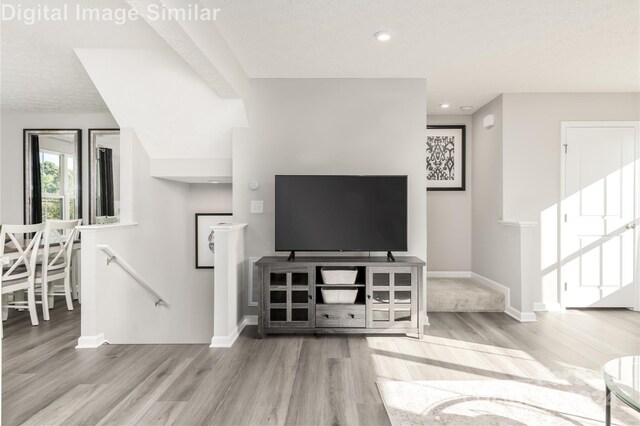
point(23, 241)
point(59, 236)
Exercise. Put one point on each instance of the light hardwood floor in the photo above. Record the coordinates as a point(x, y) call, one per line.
point(291, 379)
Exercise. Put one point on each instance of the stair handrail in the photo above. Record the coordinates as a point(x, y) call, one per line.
point(113, 255)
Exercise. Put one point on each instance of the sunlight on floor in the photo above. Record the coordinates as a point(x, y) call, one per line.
point(495, 402)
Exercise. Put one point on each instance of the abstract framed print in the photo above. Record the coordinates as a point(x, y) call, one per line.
point(445, 157)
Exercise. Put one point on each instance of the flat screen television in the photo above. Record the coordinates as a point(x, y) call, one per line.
point(341, 213)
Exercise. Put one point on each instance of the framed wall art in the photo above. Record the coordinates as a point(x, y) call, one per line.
point(445, 157)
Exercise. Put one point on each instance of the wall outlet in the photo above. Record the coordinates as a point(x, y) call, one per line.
point(257, 206)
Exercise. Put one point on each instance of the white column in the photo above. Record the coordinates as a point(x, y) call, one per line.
point(90, 335)
point(229, 261)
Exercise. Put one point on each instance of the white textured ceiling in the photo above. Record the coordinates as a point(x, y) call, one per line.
point(469, 50)
point(39, 69)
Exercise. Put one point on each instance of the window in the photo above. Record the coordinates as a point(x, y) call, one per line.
point(57, 174)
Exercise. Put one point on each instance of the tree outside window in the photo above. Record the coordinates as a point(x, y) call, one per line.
point(57, 174)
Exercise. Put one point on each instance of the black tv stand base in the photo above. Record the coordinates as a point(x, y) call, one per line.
point(390, 257)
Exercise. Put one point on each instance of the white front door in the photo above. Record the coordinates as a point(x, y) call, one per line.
point(599, 214)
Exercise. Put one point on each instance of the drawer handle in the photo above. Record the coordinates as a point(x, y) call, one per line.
point(327, 316)
point(352, 315)
point(310, 297)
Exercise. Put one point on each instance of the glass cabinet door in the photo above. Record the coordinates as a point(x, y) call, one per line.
point(289, 297)
point(392, 297)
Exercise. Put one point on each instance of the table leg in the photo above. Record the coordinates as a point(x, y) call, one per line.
point(607, 418)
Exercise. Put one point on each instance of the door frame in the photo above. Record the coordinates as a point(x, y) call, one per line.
point(564, 125)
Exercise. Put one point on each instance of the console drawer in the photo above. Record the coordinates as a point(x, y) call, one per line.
point(340, 316)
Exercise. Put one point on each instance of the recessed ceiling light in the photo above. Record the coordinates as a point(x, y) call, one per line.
point(382, 36)
point(214, 181)
point(445, 106)
point(466, 108)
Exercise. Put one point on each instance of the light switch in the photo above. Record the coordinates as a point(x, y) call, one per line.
point(257, 206)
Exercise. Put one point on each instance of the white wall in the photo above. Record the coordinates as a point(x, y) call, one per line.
point(161, 249)
point(516, 177)
point(176, 114)
point(495, 248)
point(449, 212)
point(11, 157)
point(532, 142)
point(210, 198)
point(532, 166)
point(329, 126)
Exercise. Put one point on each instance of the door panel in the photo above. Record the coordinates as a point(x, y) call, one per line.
point(289, 299)
point(392, 297)
point(599, 215)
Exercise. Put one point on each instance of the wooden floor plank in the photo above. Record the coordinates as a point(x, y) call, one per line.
point(65, 406)
point(163, 413)
point(297, 380)
point(199, 368)
point(212, 390)
point(261, 396)
point(139, 401)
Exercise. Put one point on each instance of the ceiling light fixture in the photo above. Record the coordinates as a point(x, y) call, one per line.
point(466, 108)
point(214, 181)
point(382, 36)
point(445, 106)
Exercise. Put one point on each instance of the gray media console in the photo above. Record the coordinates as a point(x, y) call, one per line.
point(388, 296)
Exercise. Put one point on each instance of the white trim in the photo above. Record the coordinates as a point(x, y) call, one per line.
point(547, 307)
point(494, 285)
point(91, 342)
point(616, 124)
point(228, 226)
point(509, 310)
point(227, 341)
point(448, 274)
point(521, 316)
point(107, 227)
point(517, 223)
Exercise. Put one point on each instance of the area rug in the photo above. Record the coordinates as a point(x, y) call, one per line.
point(496, 402)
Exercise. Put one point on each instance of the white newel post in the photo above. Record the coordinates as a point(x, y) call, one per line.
point(229, 261)
point(90, 334)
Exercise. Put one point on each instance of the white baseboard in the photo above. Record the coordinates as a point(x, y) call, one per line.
point(449, 274)
point(248, 320)
point(547, 307)
point(494, 285)
point(228, 341)
point(91, 342)
point(509, 310)
point(520, 316)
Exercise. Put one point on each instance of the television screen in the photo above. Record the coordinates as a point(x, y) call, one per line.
point(341, 213)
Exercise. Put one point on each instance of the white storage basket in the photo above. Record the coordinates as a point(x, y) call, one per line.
point(338, 275)
point(335, 296)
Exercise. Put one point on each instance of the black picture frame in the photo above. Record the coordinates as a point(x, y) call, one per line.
point(198, 237)
point(461, 186)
